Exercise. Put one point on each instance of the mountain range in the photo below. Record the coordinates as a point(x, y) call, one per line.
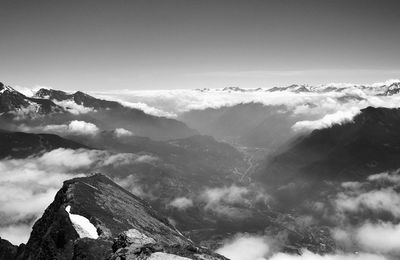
point(388, 88)
point(210, 173)
point(55, 107)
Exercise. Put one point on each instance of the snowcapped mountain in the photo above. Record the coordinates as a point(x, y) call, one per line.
point(79, 98)
point(15, 102)
point(387, 88)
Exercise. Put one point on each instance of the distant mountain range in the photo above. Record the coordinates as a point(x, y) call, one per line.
point(391, 87)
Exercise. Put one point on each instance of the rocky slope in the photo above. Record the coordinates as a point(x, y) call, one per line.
point(124, 227)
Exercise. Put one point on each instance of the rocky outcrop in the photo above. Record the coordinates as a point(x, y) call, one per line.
point(127, 227)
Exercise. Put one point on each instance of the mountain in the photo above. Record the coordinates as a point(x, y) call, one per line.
point(387, 88)
point(79, 98)
point(347, 152)
point(21, 145)
point(13, 101)
point(110, 115)
point(94, 218)
point(58, 107)
point(393, 89)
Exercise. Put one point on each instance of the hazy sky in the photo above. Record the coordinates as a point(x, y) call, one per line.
point(100, 45)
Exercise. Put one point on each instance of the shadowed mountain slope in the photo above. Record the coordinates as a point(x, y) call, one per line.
point(351, 151)
point(21, 145)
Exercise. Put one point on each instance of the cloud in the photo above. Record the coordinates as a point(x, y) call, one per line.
point(368, 207)
point(74, 127)
point(122, 132)
point(245, 247)
point(256, 247)
point(28, 112)
point(147, 109)
point(393, 178)
point(28, 186)
point(72, 107)
point(181, 203)
point(338, 117)
point(133, 184)
point(16, 233)
point(227, 201)
point(383, 200)
point(381, 237)
point(307, 255)
point(175, 102)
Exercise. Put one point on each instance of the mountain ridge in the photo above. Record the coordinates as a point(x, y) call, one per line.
point(127, 227)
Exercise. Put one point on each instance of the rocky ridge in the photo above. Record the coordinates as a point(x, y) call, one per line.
point(127, 227)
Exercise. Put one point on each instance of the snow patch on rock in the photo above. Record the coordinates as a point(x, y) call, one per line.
point(165, 256)
point(82, 225)
point(138, 238)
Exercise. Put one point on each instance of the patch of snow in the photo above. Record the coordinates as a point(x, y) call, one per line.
point(165, 256)
point(6, 88)
point(82, 225)
point(138, 238)
point(386, 83)
point(74, 108)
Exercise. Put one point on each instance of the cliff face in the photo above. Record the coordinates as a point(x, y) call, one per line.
point(94, 218)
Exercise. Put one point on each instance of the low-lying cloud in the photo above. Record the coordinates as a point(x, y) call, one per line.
point(181, 203)
point(122, 132)
point(173, 103)
point(74, 127)
point(227, 200)
point(382, 237)
point(382, 200)
point(257, 247)
point(72, 107)
point(339, 118)
point(245, 247)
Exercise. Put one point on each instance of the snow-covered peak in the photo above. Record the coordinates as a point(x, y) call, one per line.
point(386, 83)
point(82, 225)
point(4, 88)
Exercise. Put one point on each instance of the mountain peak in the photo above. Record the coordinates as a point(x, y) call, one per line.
point(4, 88)
point(95, 217)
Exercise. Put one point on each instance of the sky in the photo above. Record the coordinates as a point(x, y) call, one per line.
point(97, 45)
